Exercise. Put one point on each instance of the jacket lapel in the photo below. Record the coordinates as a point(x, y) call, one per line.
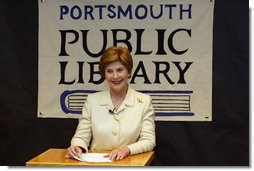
point(106, 100)
point(128, 101)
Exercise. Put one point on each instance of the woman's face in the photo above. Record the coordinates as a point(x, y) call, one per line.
point(116, 75)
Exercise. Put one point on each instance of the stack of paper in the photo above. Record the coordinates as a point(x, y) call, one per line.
point(93, 157)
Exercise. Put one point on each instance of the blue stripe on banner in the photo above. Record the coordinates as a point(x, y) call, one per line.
point(81, 91)
point(174, 114)
point(167, 91)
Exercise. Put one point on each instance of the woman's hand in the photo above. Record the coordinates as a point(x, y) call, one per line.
point(73, 151)
point(119, 154)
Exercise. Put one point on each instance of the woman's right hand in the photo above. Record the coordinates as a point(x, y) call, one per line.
point(73, 151)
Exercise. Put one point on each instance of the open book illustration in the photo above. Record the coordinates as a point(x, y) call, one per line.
point(93, 157)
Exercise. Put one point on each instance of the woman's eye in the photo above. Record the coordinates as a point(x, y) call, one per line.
point(108, 71)
point(120, 69)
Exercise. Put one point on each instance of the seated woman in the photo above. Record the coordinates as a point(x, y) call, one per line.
point(118, 119)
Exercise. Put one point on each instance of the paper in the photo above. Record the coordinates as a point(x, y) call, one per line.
point(93, 157)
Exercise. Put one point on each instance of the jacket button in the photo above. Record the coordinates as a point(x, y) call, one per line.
point(114, 133)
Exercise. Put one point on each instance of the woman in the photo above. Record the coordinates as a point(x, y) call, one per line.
point(119, 119)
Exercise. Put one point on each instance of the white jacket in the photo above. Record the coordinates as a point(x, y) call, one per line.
point(132, 125)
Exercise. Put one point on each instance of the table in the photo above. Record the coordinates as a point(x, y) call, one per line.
point(56, 157)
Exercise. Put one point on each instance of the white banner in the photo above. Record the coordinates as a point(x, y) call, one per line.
point(170, 41)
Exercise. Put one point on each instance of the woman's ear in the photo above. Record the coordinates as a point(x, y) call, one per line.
point(129, 76)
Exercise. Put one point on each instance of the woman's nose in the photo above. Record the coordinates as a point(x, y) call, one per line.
point(115, 74)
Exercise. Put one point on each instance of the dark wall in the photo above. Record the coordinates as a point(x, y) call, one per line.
point(222, 142)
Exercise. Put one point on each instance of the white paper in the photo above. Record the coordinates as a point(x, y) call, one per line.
point(93, 157)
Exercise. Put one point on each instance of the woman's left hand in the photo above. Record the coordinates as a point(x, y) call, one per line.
point(118, 154)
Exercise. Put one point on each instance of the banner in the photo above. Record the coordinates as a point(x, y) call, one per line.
point(170, 41)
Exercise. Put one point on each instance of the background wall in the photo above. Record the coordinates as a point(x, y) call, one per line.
point(222, 142)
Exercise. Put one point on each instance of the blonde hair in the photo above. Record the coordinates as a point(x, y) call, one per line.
point(113, 54)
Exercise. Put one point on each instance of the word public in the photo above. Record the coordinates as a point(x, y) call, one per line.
point(82, 36)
